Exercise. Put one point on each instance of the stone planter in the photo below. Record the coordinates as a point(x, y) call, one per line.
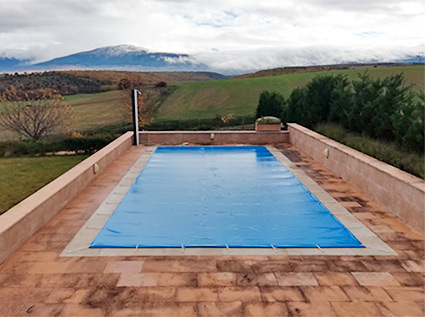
point(267, 127)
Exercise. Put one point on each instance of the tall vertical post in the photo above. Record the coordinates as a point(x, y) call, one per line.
point(134, 93)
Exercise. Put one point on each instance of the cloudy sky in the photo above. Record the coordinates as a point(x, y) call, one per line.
point(245, 34)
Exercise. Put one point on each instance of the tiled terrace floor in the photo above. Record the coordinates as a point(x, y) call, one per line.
point(35, 281)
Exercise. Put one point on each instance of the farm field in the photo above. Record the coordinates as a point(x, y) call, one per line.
point(22, 176)
point(208, 99)
point(92, 110)
point(240, 96)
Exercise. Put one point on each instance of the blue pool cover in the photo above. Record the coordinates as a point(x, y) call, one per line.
point(218, 196)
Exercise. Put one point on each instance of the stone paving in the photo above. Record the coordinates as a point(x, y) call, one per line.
point(35, 281)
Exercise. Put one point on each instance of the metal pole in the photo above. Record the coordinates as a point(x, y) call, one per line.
point(134, 93)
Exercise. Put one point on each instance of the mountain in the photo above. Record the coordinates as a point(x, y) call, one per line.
point(412, 59)
point(7, 63)
point(135, 58)
point(121, 57)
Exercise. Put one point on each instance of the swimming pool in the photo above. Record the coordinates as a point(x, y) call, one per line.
point(220, 196)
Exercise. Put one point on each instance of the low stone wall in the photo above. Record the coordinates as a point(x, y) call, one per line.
point(213, 137)
point(399, 192)
point(23, 220)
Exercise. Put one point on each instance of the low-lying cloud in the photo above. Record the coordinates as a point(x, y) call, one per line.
point(247, 33)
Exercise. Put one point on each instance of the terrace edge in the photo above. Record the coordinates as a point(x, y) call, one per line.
point(398, 191)
point(213, 137)
point(20, 222)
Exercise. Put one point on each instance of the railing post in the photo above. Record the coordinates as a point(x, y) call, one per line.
point(134, 105)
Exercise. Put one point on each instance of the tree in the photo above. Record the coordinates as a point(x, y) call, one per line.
point(408, 123)
point(270, 104)
point(36, 119)
point(145, 109)
point(296, 108)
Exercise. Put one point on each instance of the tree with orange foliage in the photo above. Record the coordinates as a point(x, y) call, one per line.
point(126, 85)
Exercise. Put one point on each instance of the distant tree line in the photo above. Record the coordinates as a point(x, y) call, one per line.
point(384, 108)
point(28, 84)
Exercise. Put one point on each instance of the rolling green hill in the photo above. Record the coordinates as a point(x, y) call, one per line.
point(208, 99)
point(240, 96)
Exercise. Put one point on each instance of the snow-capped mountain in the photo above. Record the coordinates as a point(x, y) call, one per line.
point(123, 57)
point(136, 58)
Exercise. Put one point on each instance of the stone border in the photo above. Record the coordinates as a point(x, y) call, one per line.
point(23, 220)
point(399, 192)
point(213, 137)
point(79, 246)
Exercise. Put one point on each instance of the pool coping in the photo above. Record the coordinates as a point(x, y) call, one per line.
point(79, 245)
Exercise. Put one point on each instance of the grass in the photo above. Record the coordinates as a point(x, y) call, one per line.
point(192, 100)
point(390, 153)
point(22, 176)
point(93, 110)
point(208, 99)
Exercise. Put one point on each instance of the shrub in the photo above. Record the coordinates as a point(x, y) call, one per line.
point(270, 104)
point(380, 108)
point(268, 120)
point(86, 145)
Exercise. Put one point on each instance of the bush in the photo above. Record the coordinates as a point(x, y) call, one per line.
point(388, 152)
point(87, 145)
point(380, 108)
point(200, 124)
point(268, 120)
point(270, 104)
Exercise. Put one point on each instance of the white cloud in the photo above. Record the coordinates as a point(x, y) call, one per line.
point(248, 33)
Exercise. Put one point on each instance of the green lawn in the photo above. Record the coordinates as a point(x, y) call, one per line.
point(22, 176)
point(240, 96)
point(388, 152)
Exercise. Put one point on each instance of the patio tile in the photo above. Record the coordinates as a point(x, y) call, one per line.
point(177, 279)
point(76, 310)
point(156, 294)
point(366, 294)
point(217, 279)
point(220, 308)
point(296, 279)
point(410, 279)
point(281, 294)
point(194, 294)
point(48, 267)
point(384, 266)
point(322, 294)
point(414, 266)
point(356, 309)
point(255, 279)
point(138, 279)
point(335, 278)
point(375, 279)
point(179, 266)
point(124, 267)
point(407, 308)
point(66, 295)
point(243, 294)
point(404, 294)
point(266, 309)
point(310, 309)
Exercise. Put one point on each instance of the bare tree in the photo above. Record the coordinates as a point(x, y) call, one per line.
point(145, 109)
point(36, 119)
